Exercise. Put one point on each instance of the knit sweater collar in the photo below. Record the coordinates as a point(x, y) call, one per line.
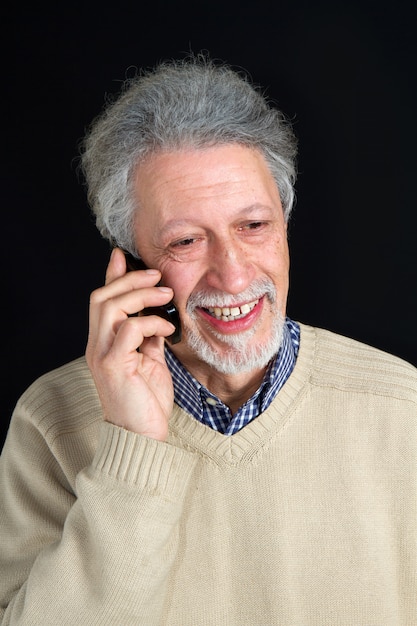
point(256, 435)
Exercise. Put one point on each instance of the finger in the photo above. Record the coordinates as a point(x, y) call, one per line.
point(112, 314)
point(133, 281)
point(134, 332)
point(128, 283)
point(153, 347)
point(117, 265)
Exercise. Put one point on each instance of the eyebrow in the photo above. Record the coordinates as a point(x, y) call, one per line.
point(174, 223)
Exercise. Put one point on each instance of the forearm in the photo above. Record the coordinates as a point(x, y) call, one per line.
point(119, 540)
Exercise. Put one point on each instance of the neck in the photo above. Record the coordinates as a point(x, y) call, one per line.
point(233, 390)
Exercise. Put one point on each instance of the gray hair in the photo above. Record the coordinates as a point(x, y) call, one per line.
point(191, 103)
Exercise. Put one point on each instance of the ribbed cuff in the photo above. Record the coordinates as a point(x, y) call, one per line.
point(143, 462)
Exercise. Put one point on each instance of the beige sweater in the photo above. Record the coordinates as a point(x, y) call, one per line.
point(306, 517)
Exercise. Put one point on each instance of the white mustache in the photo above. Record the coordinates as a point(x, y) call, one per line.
point(258, 289)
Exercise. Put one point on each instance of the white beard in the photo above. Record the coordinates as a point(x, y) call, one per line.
point(243, 354)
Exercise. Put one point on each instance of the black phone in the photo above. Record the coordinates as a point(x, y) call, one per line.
point(167, 311)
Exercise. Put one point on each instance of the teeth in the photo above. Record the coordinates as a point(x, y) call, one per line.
point(228, 314)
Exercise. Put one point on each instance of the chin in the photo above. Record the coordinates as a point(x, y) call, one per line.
point(237, 353)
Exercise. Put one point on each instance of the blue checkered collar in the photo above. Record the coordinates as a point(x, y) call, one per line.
point(207, 408)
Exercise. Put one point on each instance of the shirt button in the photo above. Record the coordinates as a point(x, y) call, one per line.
point(211, 401)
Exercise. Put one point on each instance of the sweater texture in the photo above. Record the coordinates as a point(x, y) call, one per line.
point(305, 517)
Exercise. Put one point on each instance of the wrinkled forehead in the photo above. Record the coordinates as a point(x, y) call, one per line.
point(216, 174)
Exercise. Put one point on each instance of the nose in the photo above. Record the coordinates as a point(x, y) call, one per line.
point(230, 267)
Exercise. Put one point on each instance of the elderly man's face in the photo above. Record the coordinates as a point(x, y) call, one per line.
point(212, 222)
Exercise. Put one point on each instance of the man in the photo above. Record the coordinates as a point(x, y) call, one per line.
point(257, 472)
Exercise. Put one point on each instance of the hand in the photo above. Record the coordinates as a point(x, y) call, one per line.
point(135, 387)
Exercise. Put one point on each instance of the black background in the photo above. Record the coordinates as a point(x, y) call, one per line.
point(345, 72)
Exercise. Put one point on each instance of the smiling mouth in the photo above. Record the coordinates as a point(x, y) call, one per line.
point(229, 314)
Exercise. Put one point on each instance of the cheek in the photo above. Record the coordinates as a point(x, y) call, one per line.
point(278, 260)
point(278, 270)
point(182, 281)
point(285, 256)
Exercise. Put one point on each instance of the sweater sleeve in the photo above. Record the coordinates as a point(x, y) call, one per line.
point(99, 554)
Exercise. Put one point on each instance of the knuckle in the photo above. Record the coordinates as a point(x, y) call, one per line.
point(96, 296)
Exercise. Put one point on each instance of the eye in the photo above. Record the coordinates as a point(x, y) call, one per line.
point(252, 226)
point(184, 242)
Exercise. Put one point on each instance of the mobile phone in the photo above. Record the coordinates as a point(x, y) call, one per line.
point(167, 311)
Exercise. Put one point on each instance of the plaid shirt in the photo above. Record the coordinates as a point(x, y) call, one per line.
point(194, 398)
